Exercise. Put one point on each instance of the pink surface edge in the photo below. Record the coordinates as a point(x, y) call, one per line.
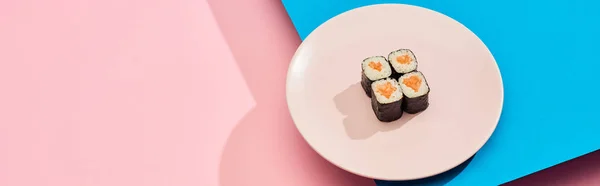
point(124, 93)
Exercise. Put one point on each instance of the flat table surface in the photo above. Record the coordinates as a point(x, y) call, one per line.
point(123, 93)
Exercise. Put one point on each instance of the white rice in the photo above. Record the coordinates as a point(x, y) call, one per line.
point(409, 92)
point(403, 68)
point(397, 95)
point(373, 74)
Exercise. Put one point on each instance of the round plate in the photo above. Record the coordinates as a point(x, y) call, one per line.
point(334, 114)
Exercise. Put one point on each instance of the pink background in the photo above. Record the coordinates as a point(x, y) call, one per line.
point(149, 92)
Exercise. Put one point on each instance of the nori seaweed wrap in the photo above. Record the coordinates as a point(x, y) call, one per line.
point(416, 92)
point(374, 68)
point(387, 100)
point(402, 61)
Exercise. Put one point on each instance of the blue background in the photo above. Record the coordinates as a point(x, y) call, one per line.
point(548, 55)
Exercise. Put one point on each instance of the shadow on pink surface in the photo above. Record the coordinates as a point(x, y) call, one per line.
point(265, 148)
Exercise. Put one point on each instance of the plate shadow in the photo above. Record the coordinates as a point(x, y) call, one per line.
point(360, 121)
point(440, 179)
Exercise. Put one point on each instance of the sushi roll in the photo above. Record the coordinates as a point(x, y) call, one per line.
point(402, 61)
point(387, 99)
point(374, 68)
point(416, 92)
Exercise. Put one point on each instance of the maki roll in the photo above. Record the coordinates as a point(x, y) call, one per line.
point(403, 61)
point(387, 99)
point(416, 92)
point(374, 68)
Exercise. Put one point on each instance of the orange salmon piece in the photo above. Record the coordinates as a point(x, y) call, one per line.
point(386, 89)
point(403, 59)
point(375, 65)
point(413, 82)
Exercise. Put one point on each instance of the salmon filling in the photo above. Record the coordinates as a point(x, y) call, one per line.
point(376, 65)
point(403, 59)
point(386, 89)
point(413, 82)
